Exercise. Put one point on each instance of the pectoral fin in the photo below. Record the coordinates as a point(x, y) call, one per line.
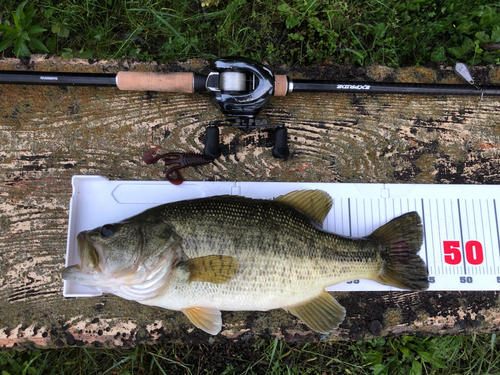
point(204, 318)
point(322, 314)
point(215, 269)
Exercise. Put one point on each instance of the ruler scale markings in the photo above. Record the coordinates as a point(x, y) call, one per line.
point(440, 240)
point(474, 229)
point(425, 235)
point(379, 212)
point(492, 267)
point(456, 227)
point(484, 267)
point(364, 216)
point(349, 206)
point(461, 235)
point(477, 269)
point(434, 252)
point(334, 218)
point(447, 237)
point(335, 208)
point(385, 210)
point(498, 229)
point(452, 235)
point(345, 220)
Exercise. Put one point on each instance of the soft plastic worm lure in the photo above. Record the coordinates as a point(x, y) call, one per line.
point(179, 160)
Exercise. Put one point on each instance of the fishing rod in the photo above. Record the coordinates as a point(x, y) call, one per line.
point(240, 88)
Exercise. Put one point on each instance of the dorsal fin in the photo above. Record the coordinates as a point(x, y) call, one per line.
point(315, 203)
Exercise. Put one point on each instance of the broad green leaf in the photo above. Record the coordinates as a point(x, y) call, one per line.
point(292, 21)
point(373, 357)
point(51, 44)
point(468, 45)
point(35, 29)
point(12, 34)
point(85, 54)
point(6, 28)
point(495, 34)
point(68, 53)
point(466, 27)
point(6, 44)
point(36, 43)
point(356, 53)
point(426, 357)
point(438, 54)
point(439, 363)
point(405, 351)
point(380, 369)
point(482, 37)
point(285, 8)
point(19, 11)
point(16, 21)
point(20, 48)
point(24, 35)
point(380, 30)
point(29, 15)
point(458, 52)
point(63, 31)
point(416, 368)
point(48, 13)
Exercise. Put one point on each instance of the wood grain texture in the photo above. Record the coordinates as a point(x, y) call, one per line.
point(48, 134)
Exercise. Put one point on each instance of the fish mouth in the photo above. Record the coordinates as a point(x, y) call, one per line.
point(90, 254)
point(71, 273)
point(88, 262)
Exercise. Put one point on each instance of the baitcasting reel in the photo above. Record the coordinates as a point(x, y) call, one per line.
point(240, 88)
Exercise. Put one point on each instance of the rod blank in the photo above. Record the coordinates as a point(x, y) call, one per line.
point(391, 88)
point(57, 79)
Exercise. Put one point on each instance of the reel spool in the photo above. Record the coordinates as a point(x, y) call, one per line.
point(233, 81)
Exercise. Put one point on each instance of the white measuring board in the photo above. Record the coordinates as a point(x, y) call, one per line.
point(461, 222)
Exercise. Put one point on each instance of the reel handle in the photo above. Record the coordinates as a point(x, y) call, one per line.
point(280, 149)
point(212, 148)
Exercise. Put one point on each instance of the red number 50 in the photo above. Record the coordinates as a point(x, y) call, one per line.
point(473, 252)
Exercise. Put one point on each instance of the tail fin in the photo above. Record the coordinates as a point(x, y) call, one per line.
point(403, 238)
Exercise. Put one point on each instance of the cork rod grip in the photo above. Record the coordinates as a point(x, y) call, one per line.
point(143, 81)
point(280, 85)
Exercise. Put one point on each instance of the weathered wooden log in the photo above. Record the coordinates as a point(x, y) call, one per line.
point(49, 134)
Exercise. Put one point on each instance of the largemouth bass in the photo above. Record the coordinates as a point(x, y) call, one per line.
point(205, 255)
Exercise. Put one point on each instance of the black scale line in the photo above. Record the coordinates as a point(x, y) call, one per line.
point(496, 222)
point(349, 206)
point(461, 237)
point(425, 235)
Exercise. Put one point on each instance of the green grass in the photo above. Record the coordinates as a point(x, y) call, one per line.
point(464, 354)
point(391, 32)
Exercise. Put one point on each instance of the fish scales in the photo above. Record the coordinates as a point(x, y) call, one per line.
point(205, 255)
point(282, 253)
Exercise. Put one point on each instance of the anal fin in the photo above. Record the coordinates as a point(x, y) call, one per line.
point(322, 314)
point(215, 269)
point(207, 319)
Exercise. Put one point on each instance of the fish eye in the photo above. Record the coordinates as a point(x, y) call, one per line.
point(107, 230)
